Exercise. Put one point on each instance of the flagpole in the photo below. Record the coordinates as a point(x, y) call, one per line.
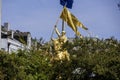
point(63, 25)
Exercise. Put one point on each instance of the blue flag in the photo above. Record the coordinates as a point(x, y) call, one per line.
point(67, 3)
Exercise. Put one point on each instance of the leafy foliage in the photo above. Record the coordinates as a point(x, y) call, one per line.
point(91, 59)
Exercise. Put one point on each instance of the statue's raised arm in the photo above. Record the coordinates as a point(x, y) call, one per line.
point(57, 31)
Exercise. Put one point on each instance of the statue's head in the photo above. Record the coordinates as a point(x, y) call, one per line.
point(63, 32)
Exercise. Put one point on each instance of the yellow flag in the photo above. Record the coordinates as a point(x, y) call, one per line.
point(71, 20)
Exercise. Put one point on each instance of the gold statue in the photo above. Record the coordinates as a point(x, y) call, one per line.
point(60, 51)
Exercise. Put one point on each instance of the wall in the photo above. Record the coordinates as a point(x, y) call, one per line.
point(4, 44)
point(14, 45)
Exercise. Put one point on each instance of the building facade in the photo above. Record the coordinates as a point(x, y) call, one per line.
point(12, 40)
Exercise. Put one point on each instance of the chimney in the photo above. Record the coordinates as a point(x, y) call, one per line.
point(29, 40)
point(6, 26)
point(12, 34)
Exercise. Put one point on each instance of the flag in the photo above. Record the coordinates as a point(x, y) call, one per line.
point(67, 3)
point(71, 20)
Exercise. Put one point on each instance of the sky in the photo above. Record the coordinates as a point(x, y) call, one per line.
point(101, 17)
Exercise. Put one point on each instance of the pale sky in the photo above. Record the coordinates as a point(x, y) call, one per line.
point(101, 17)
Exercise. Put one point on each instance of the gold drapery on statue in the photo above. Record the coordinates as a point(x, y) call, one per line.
point(71, 20)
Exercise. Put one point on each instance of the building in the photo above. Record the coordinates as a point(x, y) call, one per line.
point(12, 40)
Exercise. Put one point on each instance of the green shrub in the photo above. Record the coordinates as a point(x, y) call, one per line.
point(91, 59)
